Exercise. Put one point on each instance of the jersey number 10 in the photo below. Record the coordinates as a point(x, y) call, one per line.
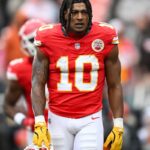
point(63, 65)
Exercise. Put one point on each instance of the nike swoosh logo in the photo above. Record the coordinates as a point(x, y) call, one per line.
point(94, 118)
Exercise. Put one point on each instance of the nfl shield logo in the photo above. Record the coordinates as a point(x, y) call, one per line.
point(77, 46)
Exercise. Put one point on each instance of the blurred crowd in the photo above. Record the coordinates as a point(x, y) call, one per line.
point(131, 18)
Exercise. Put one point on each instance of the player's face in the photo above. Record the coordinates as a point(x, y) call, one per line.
point(79, 18)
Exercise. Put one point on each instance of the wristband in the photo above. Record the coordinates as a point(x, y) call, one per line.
point(118, 122)
point(18, 118)
point(39, 118)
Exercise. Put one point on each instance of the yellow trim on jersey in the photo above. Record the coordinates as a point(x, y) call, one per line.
point(115, 42)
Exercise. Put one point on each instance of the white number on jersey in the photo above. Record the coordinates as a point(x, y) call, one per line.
point(63, 65)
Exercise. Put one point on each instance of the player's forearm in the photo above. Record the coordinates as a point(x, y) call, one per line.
point(15, 115)
point(116, 101)
point(9, 110)
point(11, 97)
point(39, 79)
point(38, 99)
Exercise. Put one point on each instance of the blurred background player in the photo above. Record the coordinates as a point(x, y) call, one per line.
point(19, 77)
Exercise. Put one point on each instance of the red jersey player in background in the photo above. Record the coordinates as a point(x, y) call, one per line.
point(74, 58)
point(19, 77)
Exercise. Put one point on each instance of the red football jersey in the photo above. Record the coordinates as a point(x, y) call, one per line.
point(77, 75)
point(20, 70)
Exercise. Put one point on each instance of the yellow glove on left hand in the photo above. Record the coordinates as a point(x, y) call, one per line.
point(41, 135)
point(114, 139)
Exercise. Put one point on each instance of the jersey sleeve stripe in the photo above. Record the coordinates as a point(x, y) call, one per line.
point(11, 76)
point(115, 40)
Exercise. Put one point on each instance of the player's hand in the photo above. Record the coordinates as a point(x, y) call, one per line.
point(41, 135)
point(114, 139)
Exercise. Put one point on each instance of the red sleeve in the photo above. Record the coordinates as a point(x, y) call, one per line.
point(39, 41)
point(12, 70)
point(111, 38)
point(42, 38)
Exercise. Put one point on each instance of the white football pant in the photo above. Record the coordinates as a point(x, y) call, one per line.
point(76, 134)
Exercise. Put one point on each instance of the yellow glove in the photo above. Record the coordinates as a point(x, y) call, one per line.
point(41, 135)
point(114, 139)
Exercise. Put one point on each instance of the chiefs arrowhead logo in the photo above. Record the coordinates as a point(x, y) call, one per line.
point(97, 45)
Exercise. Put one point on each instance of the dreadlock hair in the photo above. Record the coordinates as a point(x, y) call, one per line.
point(67, 4)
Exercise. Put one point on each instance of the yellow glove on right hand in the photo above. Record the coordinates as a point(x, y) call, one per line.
point(114, 139)
point(41, 135)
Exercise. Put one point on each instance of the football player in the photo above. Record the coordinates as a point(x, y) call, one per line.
point(19, 77)
point(74, 58)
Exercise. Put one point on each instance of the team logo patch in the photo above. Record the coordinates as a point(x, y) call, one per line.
point(97, 45)
point(77, 46)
